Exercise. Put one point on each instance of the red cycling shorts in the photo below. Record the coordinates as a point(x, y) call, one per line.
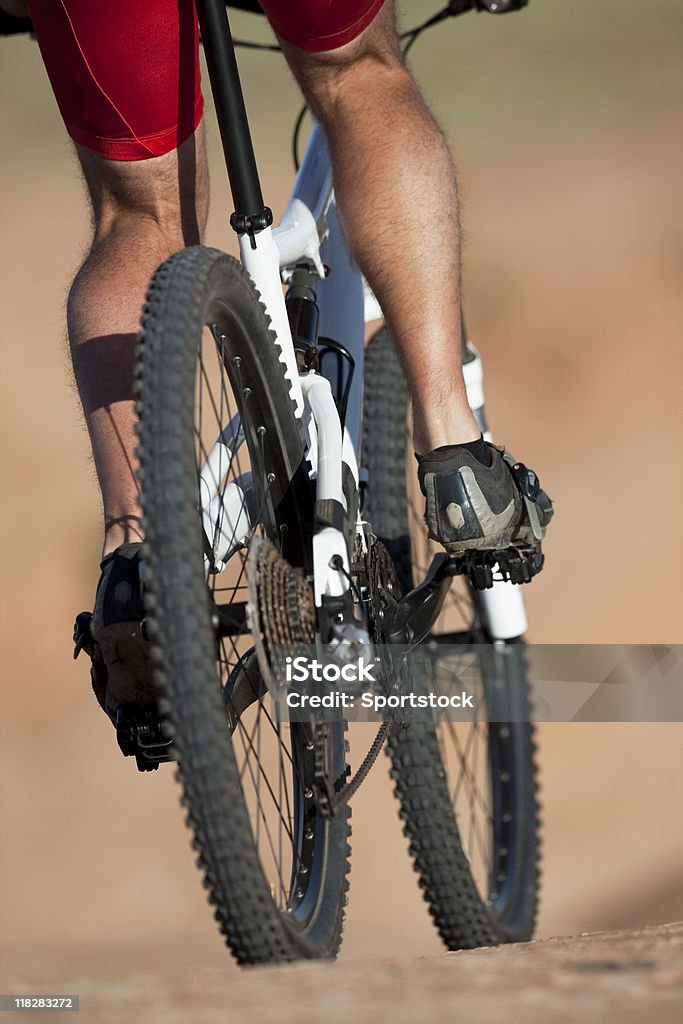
point(125, 73)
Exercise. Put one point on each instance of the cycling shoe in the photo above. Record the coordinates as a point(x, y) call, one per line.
point(114, 635)
point(473, 507)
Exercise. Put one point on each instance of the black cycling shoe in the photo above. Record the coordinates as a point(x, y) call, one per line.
point(114, 638)
point(471, 507)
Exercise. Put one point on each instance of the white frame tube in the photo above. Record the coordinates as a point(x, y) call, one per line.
point(327, 542)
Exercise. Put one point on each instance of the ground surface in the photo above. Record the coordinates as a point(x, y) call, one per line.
point(571, 160)
point(602, 978)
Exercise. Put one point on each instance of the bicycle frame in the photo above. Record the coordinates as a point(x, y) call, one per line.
point(309, 231)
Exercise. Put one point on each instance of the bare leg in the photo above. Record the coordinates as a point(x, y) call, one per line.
point(143, 212)
point(397, 199)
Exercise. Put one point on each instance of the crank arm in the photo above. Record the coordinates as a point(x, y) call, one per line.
point(412, 618)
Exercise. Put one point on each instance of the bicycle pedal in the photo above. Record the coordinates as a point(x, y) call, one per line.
point(140, 734)
point(513, 565)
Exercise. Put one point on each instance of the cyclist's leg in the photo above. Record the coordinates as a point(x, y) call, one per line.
point(398, 203)
point(143, 211)
point(126, 78)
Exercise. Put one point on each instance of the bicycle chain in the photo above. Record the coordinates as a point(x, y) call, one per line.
point(330, 802)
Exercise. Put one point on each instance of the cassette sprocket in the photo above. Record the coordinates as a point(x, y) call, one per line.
point(281, 610)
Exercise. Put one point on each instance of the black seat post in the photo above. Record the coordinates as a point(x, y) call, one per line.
point(250, 213)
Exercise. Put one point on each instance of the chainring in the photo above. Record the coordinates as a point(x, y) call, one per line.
point(385, 589)
point(385, 593)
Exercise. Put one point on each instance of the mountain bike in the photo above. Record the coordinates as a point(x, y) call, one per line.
point(281, 508)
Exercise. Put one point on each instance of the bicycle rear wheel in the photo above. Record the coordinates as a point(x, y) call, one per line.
point(467, 790)
point(222, 462)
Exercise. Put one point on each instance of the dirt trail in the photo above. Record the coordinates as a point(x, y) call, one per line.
point(616, 977)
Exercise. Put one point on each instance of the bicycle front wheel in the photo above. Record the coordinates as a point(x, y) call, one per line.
point(467, 790)
point(222, 462)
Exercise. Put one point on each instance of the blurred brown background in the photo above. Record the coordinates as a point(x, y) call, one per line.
point(565, 121)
